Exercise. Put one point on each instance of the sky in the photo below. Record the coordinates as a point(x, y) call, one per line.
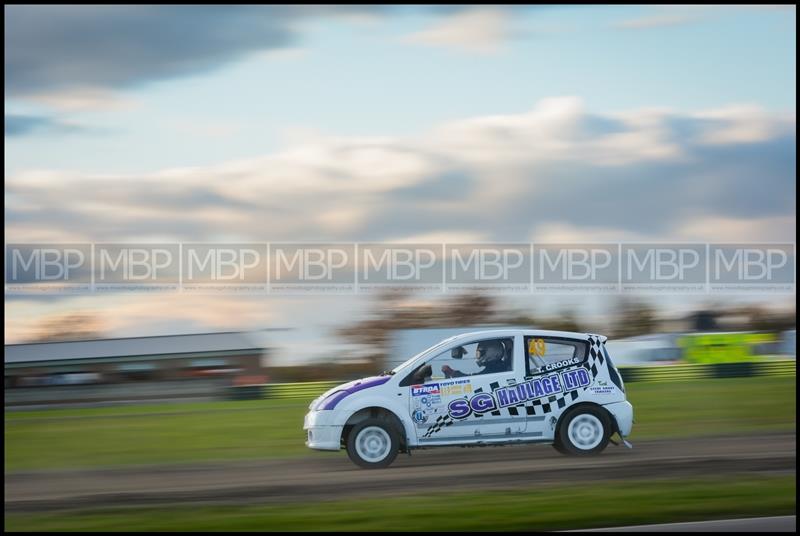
point(376, 123)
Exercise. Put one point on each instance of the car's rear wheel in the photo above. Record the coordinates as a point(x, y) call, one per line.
point(373, 444)
point(584, 431)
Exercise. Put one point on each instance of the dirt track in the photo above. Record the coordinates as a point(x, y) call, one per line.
point(328, 476)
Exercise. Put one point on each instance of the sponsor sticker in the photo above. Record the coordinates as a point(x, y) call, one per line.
point(601, 387)
point(429, 401)
point(459, 381)
point(562, 364)
point(419, 416)
point(537, 347)
point(423, 390)
point(515, 395)
point(573, 379)
point(426, 396)
point(456, 388)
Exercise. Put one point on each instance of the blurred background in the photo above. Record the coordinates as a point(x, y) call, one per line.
point(409, 124)
point(73, 363)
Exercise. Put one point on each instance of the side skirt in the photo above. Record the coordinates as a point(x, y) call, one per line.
point(455, 442)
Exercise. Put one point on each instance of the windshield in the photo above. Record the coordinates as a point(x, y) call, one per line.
point(425, 351)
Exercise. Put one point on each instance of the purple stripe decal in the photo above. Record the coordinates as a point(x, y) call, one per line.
point(366, 383)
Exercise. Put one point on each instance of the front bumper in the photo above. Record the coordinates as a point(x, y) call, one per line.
point(623, 414)
point(321, 433)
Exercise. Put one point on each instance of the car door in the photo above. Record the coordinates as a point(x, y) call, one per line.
point(554, 369)
point(458, 400)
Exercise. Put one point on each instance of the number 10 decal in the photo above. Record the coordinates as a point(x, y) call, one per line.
point(537, 347)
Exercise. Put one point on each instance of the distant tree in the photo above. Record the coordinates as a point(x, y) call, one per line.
point(403, 311)
point(69, 327)
point(759, 318)
point(704, 321)
point(565, 320)
point(633, 317)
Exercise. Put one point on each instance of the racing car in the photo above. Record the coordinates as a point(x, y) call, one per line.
point(491, 387)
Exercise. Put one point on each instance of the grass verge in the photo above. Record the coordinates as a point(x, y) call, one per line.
point(261, 429)
point(548, 508)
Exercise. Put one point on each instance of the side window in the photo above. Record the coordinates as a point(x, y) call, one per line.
point(484, 357)
point(543, 354)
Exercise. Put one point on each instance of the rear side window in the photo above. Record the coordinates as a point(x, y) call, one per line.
point(543, 354)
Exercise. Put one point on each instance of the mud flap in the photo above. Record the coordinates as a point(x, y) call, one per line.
point(622, 438)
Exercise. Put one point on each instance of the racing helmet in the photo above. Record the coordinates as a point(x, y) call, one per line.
point(489, 353)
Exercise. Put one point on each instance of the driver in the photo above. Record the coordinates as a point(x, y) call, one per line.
point(488, 354)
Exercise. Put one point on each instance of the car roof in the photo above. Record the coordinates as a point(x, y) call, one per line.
point(525, 332)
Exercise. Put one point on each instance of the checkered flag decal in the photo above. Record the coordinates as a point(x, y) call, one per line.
point(596, 358)
point(440, 422)
point(540, 406)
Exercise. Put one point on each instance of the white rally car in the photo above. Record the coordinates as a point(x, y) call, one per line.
point(482, 388)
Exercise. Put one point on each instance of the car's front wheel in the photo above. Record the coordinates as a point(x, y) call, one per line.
point(373, 444)
point(584, 431)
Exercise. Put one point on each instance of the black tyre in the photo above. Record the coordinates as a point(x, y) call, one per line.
point(373, 444)
point(584, 431)
point(559, 447)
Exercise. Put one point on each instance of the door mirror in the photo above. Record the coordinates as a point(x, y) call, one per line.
point(457, 352)
point(422, 373)
point(426, 371)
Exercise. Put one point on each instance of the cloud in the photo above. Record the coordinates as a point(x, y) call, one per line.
point(23, 125)
point(84, 99)
point(678, 15)
point(482, 30)
point(131, 315)
point(190, 313)
point(740, 124)
point(728, 229)
point(555, 169)
point(20, 125)
point(84, 49)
